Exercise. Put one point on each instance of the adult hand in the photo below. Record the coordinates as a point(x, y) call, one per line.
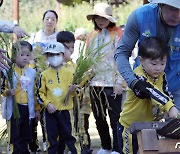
point(140, 89)
point(19, 32)
point(118, 89)
point(3, 58)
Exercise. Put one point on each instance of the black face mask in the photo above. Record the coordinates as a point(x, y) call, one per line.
point(1, 3)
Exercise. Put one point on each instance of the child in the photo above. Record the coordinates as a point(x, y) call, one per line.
point(80, 35)
point(23, 82)
point(79, 119)
point(152, 56)
point(53, 87)
point(107, 85)
point(67, 39)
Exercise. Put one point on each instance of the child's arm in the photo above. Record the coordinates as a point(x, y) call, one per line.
point(41, 91)
point(161, 97)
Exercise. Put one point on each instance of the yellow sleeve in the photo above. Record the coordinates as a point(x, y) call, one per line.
point(41, 91)
point(160, 98)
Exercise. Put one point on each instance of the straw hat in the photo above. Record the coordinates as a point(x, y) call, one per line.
point(174, 3)
point(103, 10)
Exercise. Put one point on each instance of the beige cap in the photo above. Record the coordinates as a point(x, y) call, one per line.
point(103, 10)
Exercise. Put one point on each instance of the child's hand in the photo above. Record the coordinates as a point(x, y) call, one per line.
point(37, 115)
point(72, 88)
point(51, 108)
point(90, 71)
point(10, 92)
point(173, 112)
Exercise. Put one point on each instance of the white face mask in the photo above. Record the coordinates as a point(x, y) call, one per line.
point(55, 60)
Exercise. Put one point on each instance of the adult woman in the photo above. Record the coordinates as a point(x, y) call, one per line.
point(107, 85)
point(48, 34)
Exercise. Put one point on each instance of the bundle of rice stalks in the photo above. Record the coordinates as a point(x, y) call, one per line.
point(40, 63)
point(6, 43)
point(3, 132)
point(86, 60)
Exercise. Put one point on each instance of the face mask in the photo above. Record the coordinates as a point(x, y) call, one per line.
point(55, 60)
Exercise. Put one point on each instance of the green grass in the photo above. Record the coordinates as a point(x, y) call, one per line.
point(70, 18)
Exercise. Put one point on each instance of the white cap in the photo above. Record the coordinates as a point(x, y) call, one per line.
point(174, 3)
point(54, 47)
point(80, 31)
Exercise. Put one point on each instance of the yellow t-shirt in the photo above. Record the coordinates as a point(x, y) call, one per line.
point(141, 110)
point(53, 87)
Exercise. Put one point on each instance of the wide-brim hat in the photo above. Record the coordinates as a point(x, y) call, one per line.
point(102, 10)
point(54, 47)
point(174, 3)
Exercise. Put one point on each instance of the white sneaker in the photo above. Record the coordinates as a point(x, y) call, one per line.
point(103, 151)
point(44, 146)
point(114, 152)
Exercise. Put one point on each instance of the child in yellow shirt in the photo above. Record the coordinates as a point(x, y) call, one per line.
point(53, 86)
point(23, 80)
point(152, 56)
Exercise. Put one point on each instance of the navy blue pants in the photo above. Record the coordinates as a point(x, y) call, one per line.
point(21, 131)
point(120, 140)
point(58, 125)
point(113, 111)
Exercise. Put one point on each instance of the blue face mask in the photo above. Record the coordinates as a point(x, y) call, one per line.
point(55, 60)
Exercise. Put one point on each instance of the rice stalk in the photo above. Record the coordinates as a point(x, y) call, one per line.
point(86, 60)
point(13, 51)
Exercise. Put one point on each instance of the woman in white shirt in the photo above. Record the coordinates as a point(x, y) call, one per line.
point(48, 34)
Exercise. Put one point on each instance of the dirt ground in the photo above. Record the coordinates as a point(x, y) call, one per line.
point(95, 141)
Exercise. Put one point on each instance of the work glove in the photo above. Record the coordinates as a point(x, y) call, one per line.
point(140, 88)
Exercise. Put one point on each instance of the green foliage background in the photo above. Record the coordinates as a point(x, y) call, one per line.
point(70, 17)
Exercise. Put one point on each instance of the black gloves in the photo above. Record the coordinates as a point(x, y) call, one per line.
point(140, 88)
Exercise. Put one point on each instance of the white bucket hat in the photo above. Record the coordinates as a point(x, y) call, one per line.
point(54, 47)
point(174, 3)
point(103, 10)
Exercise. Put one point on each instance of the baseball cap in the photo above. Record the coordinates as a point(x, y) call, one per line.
point(174, 3)
point(54, 47)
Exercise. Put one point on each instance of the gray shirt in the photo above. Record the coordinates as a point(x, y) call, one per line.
point(6, 26)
